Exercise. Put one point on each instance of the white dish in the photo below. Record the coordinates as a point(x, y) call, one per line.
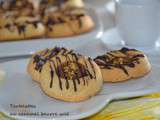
point(19, 89)
point(17, 48)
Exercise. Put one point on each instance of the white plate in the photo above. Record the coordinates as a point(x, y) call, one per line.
point(25, 47)
point(18, 88)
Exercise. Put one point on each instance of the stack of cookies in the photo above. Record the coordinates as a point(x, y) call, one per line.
point(69, 76)
point(28, 19)
point(65, 75)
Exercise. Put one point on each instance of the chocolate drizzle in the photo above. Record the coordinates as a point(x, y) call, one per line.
point(60, 20)
point(34, 23)
point(40, 61)
point(81, 72)
point(21, 29)
point(90, 61)
point(79, 20)
point(52, 75)
point(125, 50)
point(77, 17)
point(52, 21)
point(111, 60)
point(8, 26)
point(57, 70)
point(70, 70)
point(19, 5)
point(63, 17)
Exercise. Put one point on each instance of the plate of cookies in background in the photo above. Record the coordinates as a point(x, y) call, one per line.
point(60, 83)
point(27, 26)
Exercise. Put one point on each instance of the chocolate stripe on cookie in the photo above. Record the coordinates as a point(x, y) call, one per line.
point(21, 28)
point(92, 66)
point(71, 69)
point(53, 20)
point(57, 70)
point(79, 67)
point(52, 75)
point(34, 23)
point(41, 59)
point(110, 60)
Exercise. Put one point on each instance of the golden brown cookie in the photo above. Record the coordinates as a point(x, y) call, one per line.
point(71, 77)
point(19, 19)
point(65, 75)
point(23, 27)
point(68, 22)
point(124, 64)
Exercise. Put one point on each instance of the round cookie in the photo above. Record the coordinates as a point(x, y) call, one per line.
point(40, 58)
point(71, 77)
point(124, 64)
point(23, 27)
point(19, 20)
point(68, 22)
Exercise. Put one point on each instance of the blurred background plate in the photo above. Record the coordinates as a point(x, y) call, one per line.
point(26, 47)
